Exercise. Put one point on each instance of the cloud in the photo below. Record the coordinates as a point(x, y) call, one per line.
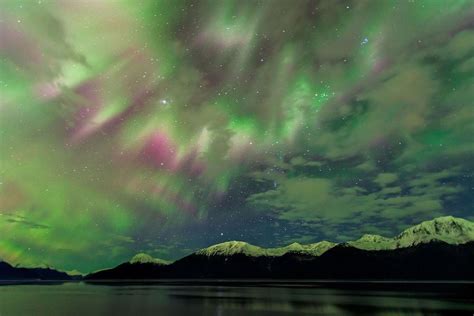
point(328, 119)
point(328, 205)
point(384, 179)
point(23, 221)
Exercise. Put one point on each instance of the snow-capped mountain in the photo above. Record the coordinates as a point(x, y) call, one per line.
point(9, 272)
point(239, 247)
point(373, 242)
point(146, 258)
point(229, 248)
point(448, 229)
point(315, 249)
point(410, 255)
point(34, 266)
point(75, 273)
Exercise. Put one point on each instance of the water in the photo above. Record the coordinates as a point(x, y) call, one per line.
point(236, 298)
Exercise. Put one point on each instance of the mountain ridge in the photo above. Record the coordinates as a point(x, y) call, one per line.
point(442, 248)
point(9, 272)
point(142, 257)
point(449, 229)
point(445, 231)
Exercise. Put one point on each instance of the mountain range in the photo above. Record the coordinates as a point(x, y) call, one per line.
point(442, 248)
point(9, 272)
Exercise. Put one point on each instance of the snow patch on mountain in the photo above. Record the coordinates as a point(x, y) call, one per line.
point(35, 266)
point(231, 248)
point(239, 247)
point(74, 272)
point(146, 258)
point(446, 229)
point(315, 249)
point(449, 229)
point(373, 242)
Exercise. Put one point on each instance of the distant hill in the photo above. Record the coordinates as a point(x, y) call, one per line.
point(142, 258)
point(141, 266)
point(8, 272)
point(442, 248)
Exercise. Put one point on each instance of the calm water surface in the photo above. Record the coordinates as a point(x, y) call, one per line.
point(235, 298)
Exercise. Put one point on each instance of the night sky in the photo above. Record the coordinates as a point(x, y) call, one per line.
point(167, 126)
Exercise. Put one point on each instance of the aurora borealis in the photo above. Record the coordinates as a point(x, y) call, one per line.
point(164, 126)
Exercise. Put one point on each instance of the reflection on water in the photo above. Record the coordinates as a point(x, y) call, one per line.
point(238, 298)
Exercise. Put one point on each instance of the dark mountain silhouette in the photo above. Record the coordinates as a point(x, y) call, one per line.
point(8, 272)
point(431, 261)
point(442, 248)
point(129, 270)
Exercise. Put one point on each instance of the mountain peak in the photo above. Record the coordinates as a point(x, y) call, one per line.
point(34, 266)
point(291, 247)
point(240, 247)
point(318, 248)
point(449, 229)
point(372, 237)
point(75, 273)
point(146, 258)
point(232, 247)
point(373, 242)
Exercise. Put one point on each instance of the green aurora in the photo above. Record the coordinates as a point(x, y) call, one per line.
point(164, 126)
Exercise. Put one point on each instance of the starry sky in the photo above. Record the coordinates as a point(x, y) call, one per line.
point(166, 126)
